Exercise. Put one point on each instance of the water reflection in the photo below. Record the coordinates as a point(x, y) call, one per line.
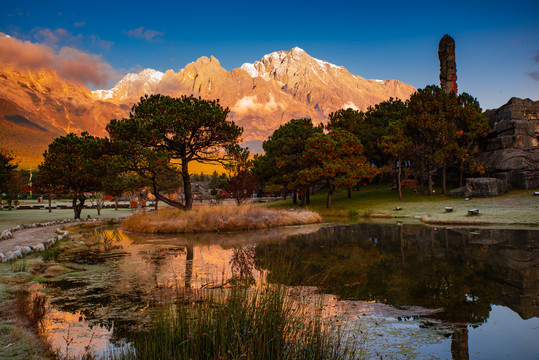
point(448, 278)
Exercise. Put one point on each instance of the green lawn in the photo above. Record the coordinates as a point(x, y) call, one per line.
point(9, 219)
point(379, 201)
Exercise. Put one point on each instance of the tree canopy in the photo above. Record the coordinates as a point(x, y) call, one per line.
point(76, 165)
point(162, 131)
point(335, 158)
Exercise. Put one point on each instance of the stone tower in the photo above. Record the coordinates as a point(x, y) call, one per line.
point(448, 67)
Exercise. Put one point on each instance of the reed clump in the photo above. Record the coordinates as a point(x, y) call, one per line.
point(240, 323)
point(216, 219)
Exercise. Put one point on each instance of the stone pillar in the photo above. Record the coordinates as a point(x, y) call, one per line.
point(448, 66)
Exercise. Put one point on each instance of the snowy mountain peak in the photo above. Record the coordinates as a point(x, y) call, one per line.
point(142, 81)
point(276, 62)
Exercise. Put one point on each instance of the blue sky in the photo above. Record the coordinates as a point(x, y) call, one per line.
point(497, 43)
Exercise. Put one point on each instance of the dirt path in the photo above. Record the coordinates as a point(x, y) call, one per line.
point(27, 237)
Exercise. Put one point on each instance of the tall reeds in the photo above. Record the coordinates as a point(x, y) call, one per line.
point(238, 323)
point(216, 218)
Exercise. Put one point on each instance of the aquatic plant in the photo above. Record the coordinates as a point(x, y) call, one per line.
point(261, 323)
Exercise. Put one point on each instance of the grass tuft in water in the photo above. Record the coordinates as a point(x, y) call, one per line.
point(260, 323)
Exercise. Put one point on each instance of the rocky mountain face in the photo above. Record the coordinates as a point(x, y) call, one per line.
point(38, 106)
point(264, 95)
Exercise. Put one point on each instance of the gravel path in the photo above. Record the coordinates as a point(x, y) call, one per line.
point(28, 237)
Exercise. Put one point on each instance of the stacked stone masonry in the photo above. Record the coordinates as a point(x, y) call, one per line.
point(511, 151)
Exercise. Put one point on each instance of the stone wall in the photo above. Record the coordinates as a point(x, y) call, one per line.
point(511, 150)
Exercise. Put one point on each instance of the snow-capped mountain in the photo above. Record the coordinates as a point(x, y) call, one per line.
point(131, 84)
point(267, 93)
point(37, 106)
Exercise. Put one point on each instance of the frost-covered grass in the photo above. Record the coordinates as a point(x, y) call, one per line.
point(379, 201)
point(9, 219)
point(216, 218)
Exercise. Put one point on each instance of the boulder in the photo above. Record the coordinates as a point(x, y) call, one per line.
point(481, 187)
point(38, 247)
point(463, 191)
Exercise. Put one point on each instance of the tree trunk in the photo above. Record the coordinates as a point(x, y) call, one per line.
point(294, 197)
point(156, 203)
point(399, 187)
point(421, 180)
point(349, 192)
point(187, 185)
point(461, 175)
point(430, 183)
point(77, 207)
point(330, 192)
point(50, 203)
point(443, 178)
point(308, 197)
point(158, 196)
point(116, 204)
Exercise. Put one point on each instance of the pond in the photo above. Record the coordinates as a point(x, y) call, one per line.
point(409, 290)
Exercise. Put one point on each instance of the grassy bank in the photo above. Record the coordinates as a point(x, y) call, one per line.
point(379, 201)
point(216, 218)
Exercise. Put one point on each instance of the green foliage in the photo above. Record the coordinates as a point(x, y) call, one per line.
point(7, 168)
point(335, 158)
point(242, 181)
point(472, 125)
point(10, 180)
point(379, 122)
point(346, 119)
point(75, 165)
point(161, 129)
point(284, 153)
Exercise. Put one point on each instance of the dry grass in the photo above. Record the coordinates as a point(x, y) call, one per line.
point(215, 219)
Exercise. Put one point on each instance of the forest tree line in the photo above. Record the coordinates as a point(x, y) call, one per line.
point(155, 145)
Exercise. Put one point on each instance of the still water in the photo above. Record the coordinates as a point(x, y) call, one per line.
point(409, 290)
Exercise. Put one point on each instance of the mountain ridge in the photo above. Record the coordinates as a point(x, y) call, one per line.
point(261, 96)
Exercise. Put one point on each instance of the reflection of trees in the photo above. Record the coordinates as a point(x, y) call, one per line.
point(407, 266)
point(189, 266)
point(243, 263)
point(459, 344)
